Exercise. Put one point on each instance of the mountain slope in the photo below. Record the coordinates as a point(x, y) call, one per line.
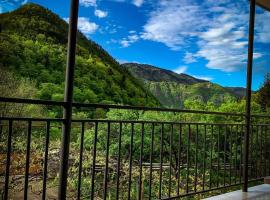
point(238, 91)
point(173, 89)
point(33, 44)
point(155, 74)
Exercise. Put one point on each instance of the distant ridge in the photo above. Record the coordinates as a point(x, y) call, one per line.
point(238, 91)
point(156, 74)
point(173, 89)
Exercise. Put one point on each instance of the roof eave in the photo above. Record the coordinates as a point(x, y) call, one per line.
point(264, 4)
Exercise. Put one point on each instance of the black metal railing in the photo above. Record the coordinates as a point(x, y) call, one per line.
point(129, 159)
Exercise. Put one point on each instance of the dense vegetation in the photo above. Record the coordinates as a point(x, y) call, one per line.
point(33, 45)
point(263, 95)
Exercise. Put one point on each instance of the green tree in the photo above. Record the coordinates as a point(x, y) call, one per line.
point(263, 95)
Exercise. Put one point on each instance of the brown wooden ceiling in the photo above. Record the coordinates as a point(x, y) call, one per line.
point(264, 3)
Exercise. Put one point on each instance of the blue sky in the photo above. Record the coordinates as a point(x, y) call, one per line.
point(204, 38)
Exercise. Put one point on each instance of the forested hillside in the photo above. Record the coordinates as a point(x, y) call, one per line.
point(155, 74)
point(33, 43)
point(173, 89)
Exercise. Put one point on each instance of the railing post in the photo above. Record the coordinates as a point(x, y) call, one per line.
point(67, 115)
point(248, 92)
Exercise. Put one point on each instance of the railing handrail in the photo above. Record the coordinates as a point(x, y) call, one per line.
point(26, 119)
point(124, 107)
point(38, 119)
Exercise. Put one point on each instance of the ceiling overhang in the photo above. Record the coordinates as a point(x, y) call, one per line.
point(264, 4)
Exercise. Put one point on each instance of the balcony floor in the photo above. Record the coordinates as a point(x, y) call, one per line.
point(260, 192)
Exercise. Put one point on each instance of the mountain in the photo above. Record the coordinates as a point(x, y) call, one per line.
point(173, 89)
point(238, 91)
point(155, 74)
point(33, 45)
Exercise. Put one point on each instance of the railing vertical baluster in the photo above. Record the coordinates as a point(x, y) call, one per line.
point(204, 156)
point(107, 161)
point(80, 163)
point(251, 153)
point(236, 152)
point(151, 160)
point(224, 155)
point(211, 157)
point(26, 176)
point(179, 158)
point(262, 156)
point(1, 129)
point(130, 159)
point(256, 152)
point(230, 161)
point(118, 160)
point(161, 162)
point(141, 162)
point(10, 124)
point(241, 154)
point(196, 159)
point(94, 162)
point(170, 170)
point(265, 151)
point(218, 158)
point(261, 152)
point(188, 160)
point(45, 166)
point(268, 151)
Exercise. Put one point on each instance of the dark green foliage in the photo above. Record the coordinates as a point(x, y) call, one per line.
point(16, 87)
point(263, 95)
point(33, 45)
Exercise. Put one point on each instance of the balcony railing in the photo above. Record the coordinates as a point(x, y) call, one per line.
point(130, 159)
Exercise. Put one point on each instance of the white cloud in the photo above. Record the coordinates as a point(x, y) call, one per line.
point(120, 1)
point(138, 3)
point(257, 55)
point(132, 38)
point(88, 3)
point(263, 27)
point(224, 46)
point(110, 28)
point(206, 78)
point(132, 32)
point(125, 43)
point(217, 29)
point(181, 69)
point(112, 41)
point(218, 32)
point(189, 58)
point(172, 21)
point(85, 25)
point(100, 13)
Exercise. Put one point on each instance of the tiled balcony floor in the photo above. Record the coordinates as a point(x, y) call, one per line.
point(260, 192)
